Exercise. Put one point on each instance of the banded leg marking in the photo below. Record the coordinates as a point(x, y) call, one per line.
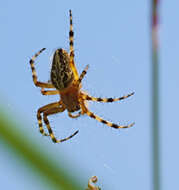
point(71, 41)
point(90, 98)
point(71, 33)
point(83, 74)
point(34, 74)
point(92, 115)
point(39, 117)
point(46, 121)
point(41, 129)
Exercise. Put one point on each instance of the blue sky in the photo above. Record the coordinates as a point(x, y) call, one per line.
point(113, 37)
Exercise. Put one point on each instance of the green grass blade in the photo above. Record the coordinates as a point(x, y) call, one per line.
point(24, 147)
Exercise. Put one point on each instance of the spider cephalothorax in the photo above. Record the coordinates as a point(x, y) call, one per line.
point(66, 82)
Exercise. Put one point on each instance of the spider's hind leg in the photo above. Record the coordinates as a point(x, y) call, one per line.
point(39, 117)
point(92, 115)
point(51, 112)
point(91, 98)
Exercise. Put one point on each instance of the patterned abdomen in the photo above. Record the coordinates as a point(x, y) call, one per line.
point(61, 73)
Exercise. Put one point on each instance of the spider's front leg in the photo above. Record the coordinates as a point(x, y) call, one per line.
point(71, 43)
point(34, 74)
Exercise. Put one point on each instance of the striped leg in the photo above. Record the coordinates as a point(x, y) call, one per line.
point(87, 97)
point(50, 112)
point(92, 115)
point(49, 92)
point(39, 117)
point(71, 39)
point(34, 74)
point(83, 74)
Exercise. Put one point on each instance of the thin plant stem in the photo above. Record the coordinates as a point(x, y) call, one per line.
point(155, 95)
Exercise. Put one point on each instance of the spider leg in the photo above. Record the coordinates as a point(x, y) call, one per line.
point(83, 74)
point(71, 39)
point(34, 74)
point(49, 92)
point(74, 116)
point(92, 115)
point(87, 97)
point(51, 112)
point(39, 117)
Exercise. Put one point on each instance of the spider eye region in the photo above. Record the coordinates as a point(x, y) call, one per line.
point(61, 72)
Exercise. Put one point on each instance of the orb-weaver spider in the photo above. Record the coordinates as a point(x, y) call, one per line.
point(67, 83)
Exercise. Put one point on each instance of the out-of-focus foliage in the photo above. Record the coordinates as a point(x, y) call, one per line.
point(21, 145)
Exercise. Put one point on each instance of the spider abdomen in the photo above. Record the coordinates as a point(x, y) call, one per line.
point(61, 73)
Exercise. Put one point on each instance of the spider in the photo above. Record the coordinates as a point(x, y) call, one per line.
point(66, 82)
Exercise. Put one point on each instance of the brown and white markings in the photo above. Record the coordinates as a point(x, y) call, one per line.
point(66, 82)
